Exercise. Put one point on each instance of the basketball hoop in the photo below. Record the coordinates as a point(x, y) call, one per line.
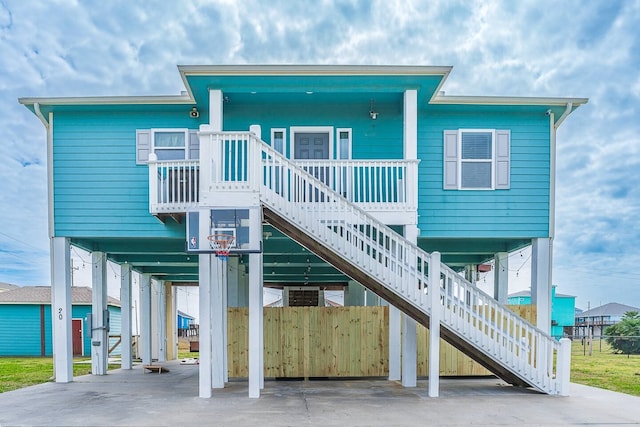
point(222, 244)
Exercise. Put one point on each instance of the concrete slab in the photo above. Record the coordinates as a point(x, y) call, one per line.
point(132, 398)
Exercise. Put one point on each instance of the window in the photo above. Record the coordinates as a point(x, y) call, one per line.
point(169, 144)
point(344, 144)
point(476, 159)
point(278, 141)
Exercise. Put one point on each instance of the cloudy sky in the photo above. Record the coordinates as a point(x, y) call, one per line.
point(523, 48)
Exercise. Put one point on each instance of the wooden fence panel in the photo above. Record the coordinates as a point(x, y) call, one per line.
point(303, 342)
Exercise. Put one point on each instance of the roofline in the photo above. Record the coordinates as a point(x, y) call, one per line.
point(507, 100)
point(112, 304)
point(328, 70)
point(111, 100)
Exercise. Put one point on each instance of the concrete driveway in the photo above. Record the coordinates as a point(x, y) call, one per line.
point(132, 398)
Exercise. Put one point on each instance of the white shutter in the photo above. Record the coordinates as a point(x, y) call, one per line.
point(503, 159)
point(143, 146)
point(450, 155)
point(194, 145)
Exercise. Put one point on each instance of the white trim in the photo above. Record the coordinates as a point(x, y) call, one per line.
point(492, 161)
point(324, 70)
point(284, 139)
point(506, 100)
point(50, 192)
point(311, 129)
point(350, 147)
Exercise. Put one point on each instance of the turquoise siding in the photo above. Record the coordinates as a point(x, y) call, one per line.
point(20, 328)
point(562, 310)
point(98, 188)
point(521, 211)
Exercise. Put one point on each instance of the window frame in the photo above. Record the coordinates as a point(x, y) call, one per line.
point(349, 131)
point(491, 161)
point(184, 148)
point(284, 140)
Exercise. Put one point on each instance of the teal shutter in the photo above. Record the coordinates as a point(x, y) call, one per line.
point(194, 145)
point(450, 175)
point(143, 146)
point(503, 160)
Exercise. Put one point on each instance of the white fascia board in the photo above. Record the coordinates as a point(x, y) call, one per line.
point(110, 100)
point(324, 70)
point(506, 100)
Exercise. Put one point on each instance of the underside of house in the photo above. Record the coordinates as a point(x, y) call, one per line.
point(306, 179)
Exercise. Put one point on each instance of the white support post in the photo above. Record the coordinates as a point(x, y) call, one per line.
point(501, 277)
point(145, 318)
point(125, 328)
point(409, 326)
point(61, 309)
point(563, 369)
point(395, 340)
point(215, 109)
point(541, 282)
point(434, 325)
point(410, 133)
point(255, 325)
point(204, 277)
point(225, 305)
point(100, 333)
point(217, 321)
point(161, 316)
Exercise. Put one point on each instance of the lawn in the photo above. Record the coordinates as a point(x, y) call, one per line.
point(604, 369)
point(18, 372)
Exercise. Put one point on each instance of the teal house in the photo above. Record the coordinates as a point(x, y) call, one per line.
point(25, 322)
point(304, 178)
point(563, 308)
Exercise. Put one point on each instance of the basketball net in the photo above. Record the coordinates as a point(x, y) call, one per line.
point(222, 244)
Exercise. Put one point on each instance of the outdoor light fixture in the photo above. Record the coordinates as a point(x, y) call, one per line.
point(194, 113)
point(372, 112)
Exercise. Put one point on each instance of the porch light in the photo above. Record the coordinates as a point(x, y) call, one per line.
point(372, 112)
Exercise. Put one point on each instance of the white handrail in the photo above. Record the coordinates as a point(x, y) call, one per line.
point(173, 184)
point(375, 249)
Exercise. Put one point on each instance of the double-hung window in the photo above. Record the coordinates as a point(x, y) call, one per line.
point(169, 144)
point(476, 159)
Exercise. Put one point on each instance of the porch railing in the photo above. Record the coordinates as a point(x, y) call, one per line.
point(173, 185)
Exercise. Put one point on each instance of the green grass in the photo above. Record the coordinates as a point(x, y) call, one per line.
point(18, 372)
point(603, 369)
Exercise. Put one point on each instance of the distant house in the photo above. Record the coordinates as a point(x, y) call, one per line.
point(597, 319)
point(25, 321)
point(6, 287)
point(562, 310)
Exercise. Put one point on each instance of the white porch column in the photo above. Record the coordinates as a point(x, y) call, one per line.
point(256, 375)
point(218, 313)
point(61, 309)
point(100, 333)
point(204, 279)
point(215, 109)
point(409, 338)
point(225, 305)
point(395, 342)
point(159, 308)
point(501, 277)
point(541, 253)
point(145, 318)
point(411, 124)
point(434, 325)
point(125, 309)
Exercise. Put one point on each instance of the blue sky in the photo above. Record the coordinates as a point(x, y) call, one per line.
point(524, 48)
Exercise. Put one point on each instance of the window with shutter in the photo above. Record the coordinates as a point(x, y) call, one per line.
point(476, 159)
point(167, 144)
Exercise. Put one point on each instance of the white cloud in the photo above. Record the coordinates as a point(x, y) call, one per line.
point(531, 48)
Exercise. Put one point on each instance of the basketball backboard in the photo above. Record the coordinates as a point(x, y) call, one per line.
point(206, 225)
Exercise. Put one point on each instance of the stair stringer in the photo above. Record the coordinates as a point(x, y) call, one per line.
point(293, 231)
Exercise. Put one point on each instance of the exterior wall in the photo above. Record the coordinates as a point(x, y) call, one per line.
point(115, 322)
point(20, 328)
point(98, 188)
point(562, 311)
point(521, 211)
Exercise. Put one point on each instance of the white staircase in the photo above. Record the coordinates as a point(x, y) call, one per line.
point(303, 207)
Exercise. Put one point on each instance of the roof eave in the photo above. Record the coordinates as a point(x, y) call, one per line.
point(110, 100)
point(507, 100)
point(318, 70)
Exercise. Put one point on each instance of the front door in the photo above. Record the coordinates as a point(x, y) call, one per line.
point(311, 145)
point(76, 336)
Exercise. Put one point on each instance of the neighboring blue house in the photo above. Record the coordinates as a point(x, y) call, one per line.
point(184, 320)
point(25, 321)
point(562, 312)
point(322, 177)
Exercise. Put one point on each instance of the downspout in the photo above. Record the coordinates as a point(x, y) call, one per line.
point(36, 109)
point(564, 115)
